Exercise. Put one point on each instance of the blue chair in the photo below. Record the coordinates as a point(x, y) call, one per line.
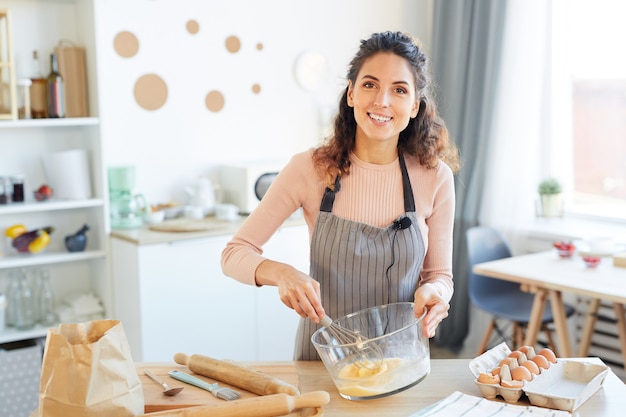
point(504, 300)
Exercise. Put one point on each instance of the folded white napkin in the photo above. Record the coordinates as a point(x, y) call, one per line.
point(459, 404)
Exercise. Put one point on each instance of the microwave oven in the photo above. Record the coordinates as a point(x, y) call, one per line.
point(244, 184)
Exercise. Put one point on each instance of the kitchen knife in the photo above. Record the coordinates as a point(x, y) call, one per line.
point(265, 406)
point(235, 375)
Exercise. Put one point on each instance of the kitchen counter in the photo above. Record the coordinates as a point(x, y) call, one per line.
point(212, 227)
point(446, 377)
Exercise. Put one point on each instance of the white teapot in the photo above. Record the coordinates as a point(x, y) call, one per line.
point(202, 194)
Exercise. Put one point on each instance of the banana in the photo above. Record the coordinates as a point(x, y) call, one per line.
point(39, 243)
point(15, 230)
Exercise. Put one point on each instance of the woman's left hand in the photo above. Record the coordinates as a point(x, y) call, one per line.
point(428, 297)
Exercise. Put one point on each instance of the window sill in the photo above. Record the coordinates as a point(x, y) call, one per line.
point(543, 232)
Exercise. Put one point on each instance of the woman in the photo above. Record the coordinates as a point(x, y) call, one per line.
point(378, 198)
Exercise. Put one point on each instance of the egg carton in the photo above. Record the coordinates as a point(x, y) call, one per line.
point(565, 385)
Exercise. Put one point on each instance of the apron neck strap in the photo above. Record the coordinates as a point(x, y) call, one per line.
point(409, 201)
point(329, 197)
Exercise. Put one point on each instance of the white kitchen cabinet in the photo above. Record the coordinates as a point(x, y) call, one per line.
point(172, 297)
point(23, 143)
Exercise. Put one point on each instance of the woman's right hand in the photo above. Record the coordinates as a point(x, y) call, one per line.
point(296, 289)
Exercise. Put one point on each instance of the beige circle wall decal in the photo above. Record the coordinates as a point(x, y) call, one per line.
point(259, 46)
point(126, 44)
point(256, 88)
point(233, 44)
point(214, 101)
point(192, 26)
point(150, 92)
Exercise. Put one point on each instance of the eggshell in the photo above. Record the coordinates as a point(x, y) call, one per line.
point(548, 353)
point(505, 373)
point(519, 355)
point(541, 361)
point(521, 373)
point(532, 367)
point(512, 384)
point(496, 370)
point(487, 378)
point(512, 363)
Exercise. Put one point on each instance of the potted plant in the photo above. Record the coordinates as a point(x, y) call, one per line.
point(550, 195)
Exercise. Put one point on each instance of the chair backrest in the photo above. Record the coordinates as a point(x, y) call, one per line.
point(486, 244)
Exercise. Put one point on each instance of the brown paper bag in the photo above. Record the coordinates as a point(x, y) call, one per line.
point(72, 68)
point(88, 371)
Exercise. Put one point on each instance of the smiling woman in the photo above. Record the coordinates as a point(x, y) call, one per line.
point(377, 197)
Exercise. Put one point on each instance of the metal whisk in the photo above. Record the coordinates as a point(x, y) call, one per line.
point(367, 355)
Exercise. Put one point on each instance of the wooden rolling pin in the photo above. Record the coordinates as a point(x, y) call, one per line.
point(235, 375)
point(267, 406)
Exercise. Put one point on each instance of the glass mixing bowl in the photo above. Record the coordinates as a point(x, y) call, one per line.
point(391, 329)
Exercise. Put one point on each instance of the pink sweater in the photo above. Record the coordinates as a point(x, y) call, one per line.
point(370, 194)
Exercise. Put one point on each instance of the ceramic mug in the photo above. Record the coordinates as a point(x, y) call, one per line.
point(228, 212)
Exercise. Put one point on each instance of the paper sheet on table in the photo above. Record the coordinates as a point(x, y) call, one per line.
point(459, 404)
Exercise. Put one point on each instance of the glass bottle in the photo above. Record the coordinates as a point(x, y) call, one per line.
point(6, 190)
point(56, 103)
point(45, 299)
point(38, 102)
point(18, 188)
point(3, 309)
point(12, 294)
point(23, 304)
point(23, 98)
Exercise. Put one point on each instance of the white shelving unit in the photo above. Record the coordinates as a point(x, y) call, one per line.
point(23, 144)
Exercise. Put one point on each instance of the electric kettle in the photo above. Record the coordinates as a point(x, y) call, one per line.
point(202, 194)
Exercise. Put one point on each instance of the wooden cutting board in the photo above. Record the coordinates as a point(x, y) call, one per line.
point(191, 396)
point(183, 225)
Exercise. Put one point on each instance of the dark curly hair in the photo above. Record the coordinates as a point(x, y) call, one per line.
point(426, 135)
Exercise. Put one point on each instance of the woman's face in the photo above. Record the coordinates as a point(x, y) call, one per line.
point(383, 97)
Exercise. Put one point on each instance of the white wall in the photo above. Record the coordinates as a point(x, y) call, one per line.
point(182, 139)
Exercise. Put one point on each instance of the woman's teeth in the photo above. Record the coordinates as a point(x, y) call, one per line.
point(380, 118)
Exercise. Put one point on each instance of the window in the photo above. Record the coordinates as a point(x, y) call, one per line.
point(589, 105)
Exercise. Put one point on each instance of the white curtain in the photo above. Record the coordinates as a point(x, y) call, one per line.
point(520, 149)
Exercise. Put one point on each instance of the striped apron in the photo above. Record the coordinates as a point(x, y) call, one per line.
point(360, 266)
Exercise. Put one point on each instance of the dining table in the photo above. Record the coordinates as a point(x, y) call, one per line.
point(446, 377)
point(549, 276)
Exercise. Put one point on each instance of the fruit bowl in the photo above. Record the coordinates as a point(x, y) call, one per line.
point(41, 197)
point(396, 334)
point(565, 249)
point(591, 261)
point(43, 193)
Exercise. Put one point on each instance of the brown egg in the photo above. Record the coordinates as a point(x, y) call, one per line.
point(548, 353)
point(532, 367)
point(496, 370)
point(521, 373)
point(511, 362)
point(541, 361)
point(529, 351)
point(519, 355)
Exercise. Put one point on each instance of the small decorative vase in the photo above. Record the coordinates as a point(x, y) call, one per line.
point(551, 205)
point(78, 241)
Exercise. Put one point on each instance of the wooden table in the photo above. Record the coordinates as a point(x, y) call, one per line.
point(446, 377)
point(548, 276)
